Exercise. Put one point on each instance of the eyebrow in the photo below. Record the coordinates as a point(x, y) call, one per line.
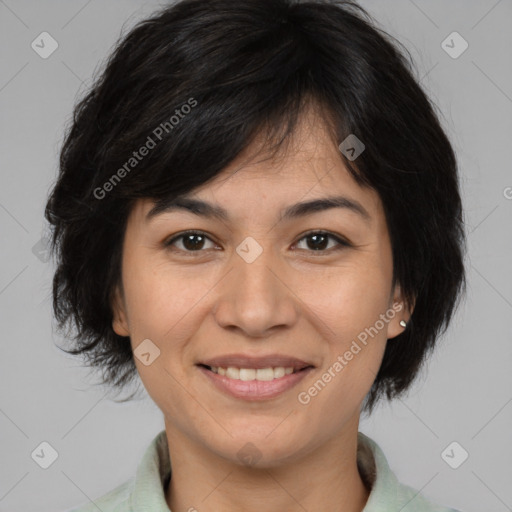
point(208, 210)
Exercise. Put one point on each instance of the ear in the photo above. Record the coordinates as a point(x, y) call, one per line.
point(402, 311)
point(119, 320)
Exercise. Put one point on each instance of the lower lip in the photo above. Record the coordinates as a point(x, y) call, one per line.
point(255, 389)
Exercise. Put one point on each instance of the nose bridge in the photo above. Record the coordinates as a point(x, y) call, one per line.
point(254, 298)
point(252, 269)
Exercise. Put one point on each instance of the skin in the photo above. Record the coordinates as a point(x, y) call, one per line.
point(292, 300)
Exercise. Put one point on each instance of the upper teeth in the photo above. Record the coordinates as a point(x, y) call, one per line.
point(252, 373)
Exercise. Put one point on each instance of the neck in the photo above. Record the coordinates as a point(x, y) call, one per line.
point(326, 478)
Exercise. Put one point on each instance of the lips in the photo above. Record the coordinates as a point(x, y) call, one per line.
point(254, 378)
point(244, 361)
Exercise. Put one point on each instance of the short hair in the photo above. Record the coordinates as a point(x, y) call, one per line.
point(200, 79)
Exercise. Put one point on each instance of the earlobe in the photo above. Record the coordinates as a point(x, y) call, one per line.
point(119, 318)
point(399, 323)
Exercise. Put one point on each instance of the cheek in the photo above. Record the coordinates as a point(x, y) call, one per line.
point(160, 307)
point(160, 302)
point(164, 306)
point(348, 305)
point(347, 300)
point(336, 394)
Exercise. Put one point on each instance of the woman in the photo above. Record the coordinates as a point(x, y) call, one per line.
point(258, 213)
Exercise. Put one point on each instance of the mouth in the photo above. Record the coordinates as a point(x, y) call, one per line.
point(249, 374)
point(254, 378)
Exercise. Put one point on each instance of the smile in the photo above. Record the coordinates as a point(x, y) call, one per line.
point(247, 374)
point(254, 384)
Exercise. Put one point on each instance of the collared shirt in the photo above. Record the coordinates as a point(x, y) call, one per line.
point(145, 492)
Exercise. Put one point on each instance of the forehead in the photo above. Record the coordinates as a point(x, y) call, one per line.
point(306, 167)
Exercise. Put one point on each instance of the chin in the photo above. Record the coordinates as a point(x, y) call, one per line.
point(261, 447)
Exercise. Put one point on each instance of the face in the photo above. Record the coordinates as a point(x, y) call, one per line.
point(307, 292)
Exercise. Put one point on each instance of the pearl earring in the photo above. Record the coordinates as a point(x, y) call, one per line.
point(403, 323)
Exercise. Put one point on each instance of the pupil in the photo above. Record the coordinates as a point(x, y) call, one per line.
point(190, 245)
point(316, 237)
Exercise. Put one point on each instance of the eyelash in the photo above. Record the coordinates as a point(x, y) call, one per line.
point(342, 243)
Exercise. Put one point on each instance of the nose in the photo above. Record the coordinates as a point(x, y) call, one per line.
point(255, 297)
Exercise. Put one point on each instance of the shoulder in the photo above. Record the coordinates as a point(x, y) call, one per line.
point(144, 489)
point(116, 500)
point(413, 501)
point(387, 492)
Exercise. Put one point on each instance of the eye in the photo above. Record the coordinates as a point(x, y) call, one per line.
point(316, 241)
point(319, 241)
point(191, 241)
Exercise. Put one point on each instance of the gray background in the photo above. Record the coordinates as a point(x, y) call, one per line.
point(45, 395)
